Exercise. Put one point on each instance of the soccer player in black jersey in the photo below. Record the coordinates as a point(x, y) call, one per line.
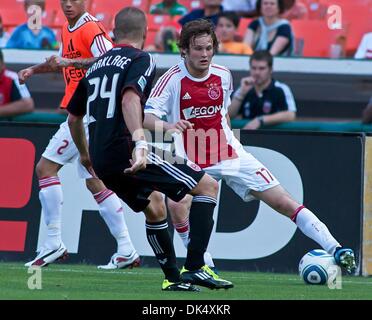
point(112, 94)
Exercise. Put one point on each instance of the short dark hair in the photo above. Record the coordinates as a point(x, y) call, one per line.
point(231, 16)
point(194, 29)
point(130, 23)
point(262, 55)
point(281, 6)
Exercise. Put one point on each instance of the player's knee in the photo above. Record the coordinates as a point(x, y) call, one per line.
point(46, 168)
point(94, 185)
point(209, 186)
point(179, 210)
point(156, 211)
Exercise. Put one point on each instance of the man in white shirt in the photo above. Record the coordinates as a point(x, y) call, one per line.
point(365, 47)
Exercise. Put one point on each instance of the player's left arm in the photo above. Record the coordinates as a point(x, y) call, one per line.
point(138, 82)
point(57, 62)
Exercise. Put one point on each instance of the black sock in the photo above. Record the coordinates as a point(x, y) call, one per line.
point(161, 243)
point(201, 225)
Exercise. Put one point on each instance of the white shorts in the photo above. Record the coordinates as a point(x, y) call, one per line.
point(62, 150)
point(243, 174)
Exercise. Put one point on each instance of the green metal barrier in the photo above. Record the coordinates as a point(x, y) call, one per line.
point(37, 117)
point(352, 126)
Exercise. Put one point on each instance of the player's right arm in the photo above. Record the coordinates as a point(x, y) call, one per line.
point(77, 110)
point(159, 105)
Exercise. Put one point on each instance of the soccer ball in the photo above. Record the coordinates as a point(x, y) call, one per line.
point(315, 265)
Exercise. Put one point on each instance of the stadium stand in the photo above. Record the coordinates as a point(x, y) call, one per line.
point(313, 32)
point(190, 4)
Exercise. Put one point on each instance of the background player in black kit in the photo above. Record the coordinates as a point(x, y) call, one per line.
point(112, 94)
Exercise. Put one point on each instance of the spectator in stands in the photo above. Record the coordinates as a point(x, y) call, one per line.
point(165, 40)
point(269, 31)
point(367, 113)
point(295, 9)
point(30, 35)
point(211, 10)
point(243, 8)
point(365, 47)
point(15, 99)
point(4, 36)
point(227, 25)
point(171, 7)
point(261, 99)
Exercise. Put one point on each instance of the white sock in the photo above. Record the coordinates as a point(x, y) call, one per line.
point(312, 227)
point(112, 212)
point(182, 229)
point(51, 198)
point(208, 259)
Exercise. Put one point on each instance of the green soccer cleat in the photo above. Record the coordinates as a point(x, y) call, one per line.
point(178, 286)
point(205, 277)
point(345, 258)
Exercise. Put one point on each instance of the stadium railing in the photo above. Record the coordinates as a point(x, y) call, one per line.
point(321, 126)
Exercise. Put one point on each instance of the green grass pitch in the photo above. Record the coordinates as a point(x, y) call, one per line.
point(85, 282)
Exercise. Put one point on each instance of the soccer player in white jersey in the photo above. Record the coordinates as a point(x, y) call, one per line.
point(194, 96)
point(83, 39)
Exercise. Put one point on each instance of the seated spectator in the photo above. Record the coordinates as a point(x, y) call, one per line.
point(4, 36)
point(170, 7)
point(295, 9)
point(227, 25)
point(211, 10)
point(367, 113)
point(243, 8)
point(15, 99)
point(29, 36)
point(166, 40)
point(365, 47)
point(269, 31)
point(261, 99)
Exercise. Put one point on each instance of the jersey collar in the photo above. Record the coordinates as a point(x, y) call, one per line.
point(80, 22)
point(184, 69)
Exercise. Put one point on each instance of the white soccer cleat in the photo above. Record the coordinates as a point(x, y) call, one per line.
point(120, 261)
point(47, 256)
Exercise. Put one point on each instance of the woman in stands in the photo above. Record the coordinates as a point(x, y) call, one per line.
point(269, 31)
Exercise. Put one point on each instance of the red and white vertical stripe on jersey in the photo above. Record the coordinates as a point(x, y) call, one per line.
point(156, 91)
point(99, 41)
point(204, 109)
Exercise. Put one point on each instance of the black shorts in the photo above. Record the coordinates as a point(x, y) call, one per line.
point(174, 180)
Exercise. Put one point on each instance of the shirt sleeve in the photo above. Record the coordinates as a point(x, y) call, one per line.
point(161, 99)
point(78, 103)
point(229, 91)
point(18, 91)
point(284, 31)
point(140, 76)
point(361, 52)
point(286, 101)
point(100, 45)
point(94, 38)
point(254, 25)
point(13, 40)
